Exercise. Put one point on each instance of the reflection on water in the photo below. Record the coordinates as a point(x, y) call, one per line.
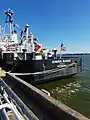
point(73, 91)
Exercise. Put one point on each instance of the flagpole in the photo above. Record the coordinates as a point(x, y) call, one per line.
point(60, 53)
point(61, 50)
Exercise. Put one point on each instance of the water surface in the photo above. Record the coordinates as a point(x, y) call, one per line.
point(73, 91)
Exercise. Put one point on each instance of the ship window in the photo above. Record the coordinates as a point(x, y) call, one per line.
point(8, 56)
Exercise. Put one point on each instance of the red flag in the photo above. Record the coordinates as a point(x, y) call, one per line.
point(62, 48)
point(37, 47)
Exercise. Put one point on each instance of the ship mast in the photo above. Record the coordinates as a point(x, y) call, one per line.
point(32, 42)
point(9, 19)
point(0, 31)
point(26, 27)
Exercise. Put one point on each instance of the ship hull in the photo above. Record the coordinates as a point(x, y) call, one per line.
point(42, 78)
point(38, 71)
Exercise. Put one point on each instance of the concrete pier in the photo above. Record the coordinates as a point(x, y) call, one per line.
point(55, 109)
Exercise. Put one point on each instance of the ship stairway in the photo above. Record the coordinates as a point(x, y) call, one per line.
point(20, 56)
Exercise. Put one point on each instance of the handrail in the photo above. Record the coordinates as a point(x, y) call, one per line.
point(46, 92)
point(16, 103)
point(10, 105)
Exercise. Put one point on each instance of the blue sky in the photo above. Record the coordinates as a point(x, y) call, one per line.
point(54, 21)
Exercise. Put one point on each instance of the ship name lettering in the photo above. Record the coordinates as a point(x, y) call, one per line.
point(66, 60)
point(59, 61)
point(56, 61)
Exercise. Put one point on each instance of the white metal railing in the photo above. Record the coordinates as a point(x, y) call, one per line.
point(10, 105)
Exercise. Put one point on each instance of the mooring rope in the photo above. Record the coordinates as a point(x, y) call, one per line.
point(46, 71)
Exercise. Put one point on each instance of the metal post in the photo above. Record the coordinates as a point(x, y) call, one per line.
point(4, 113)
point(60, 54)
point(32, 42)
point(10, 31)
point(27, 26)
point(25, 56)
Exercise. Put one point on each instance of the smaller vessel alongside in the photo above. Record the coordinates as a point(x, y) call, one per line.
point(27, 59)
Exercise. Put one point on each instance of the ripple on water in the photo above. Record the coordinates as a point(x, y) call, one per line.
point(65, 92)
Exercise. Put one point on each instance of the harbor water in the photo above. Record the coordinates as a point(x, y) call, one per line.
point(73, 91)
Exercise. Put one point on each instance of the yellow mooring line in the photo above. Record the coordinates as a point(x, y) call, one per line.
point(2, 73)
